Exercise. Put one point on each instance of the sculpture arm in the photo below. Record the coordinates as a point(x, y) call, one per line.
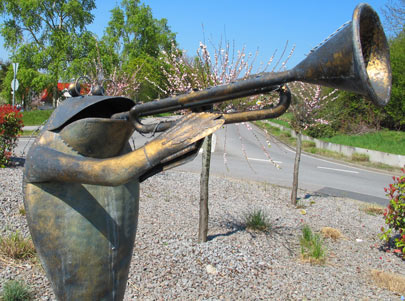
point(45, 164)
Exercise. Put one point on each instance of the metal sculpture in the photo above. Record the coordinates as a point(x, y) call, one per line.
point(82, 178)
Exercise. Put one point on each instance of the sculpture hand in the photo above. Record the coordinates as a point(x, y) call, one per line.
point(190, 129)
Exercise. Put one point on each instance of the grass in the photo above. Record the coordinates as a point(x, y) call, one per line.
point(29, 133)
point(22, 211)
point(356, 157)
point(256, 220)
point(281, 122)
point(373, 209)
point(312, 248)
point(309, 146)
point(17, 247)
point(332, 233)
point(284, 136)
point(383, 141)
point(390, 281)
point(15, 291)
point(36, 117)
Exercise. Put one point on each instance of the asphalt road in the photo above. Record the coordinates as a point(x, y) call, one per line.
point(240, 152)
point(246, 159)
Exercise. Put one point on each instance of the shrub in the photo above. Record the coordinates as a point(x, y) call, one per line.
point(10, 128)
point(15, 291)
point(257, 220)
point(312, 248)
point(395, 213)
point(320, 131)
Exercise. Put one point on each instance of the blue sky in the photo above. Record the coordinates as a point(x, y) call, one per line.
point(257, 24)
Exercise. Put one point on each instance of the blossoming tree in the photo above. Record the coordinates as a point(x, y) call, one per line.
point(307, 101)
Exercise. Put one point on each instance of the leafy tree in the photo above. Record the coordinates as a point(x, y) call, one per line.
point(396, 107)
point(46, 37)
point(4, 66)
point(138, 40)
point(394, 13)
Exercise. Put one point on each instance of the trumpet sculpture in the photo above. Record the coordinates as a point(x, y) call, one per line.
point(81, 179)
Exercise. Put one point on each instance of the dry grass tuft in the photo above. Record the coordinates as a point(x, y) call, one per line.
point(21, 210)
point(390, 281)
point(333, 233)
point(373, 209)
point(17, 247)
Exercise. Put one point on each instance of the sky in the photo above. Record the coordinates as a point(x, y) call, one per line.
point(263, 25)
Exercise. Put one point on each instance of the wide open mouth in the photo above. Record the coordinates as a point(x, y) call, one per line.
point(372, 54)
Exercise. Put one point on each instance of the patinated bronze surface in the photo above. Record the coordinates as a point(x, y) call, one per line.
point(82, 178)
point(82, 190)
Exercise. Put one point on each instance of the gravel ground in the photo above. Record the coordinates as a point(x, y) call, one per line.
point(236, 264)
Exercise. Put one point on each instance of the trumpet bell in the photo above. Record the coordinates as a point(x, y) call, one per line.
point(356, 59)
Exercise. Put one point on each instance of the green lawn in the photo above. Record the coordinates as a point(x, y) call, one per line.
point(384, 141)
point(36, 117)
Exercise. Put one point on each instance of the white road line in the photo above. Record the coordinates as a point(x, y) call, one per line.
point(213, 144)
point(335, 163)
point(264, 160)
point(337, 169)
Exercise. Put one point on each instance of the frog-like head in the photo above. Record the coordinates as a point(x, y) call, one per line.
point(85, 124)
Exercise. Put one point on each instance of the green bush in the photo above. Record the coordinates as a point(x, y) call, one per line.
point(320, 131)
point(395, 214)
point(10, 128)
point(15, 291)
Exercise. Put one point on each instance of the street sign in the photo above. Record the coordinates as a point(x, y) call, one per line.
point(15, 67)
point(14, 84)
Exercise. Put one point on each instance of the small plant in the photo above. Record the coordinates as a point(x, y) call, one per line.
point(17, 247)
point(308, 144)
point(360, 157)
point(15, 291)
point(300, 204)
point(391, 281)
point(312, 248)
point(10, 128)
point(332, 233)
point(257, 221)
point(373, 209)
point(21, 210)
point(395, 213)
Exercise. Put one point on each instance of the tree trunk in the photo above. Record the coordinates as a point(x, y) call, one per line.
point(205, 172)
point(296, 170)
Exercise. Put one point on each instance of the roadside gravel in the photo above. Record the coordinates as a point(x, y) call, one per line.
point(235, 264)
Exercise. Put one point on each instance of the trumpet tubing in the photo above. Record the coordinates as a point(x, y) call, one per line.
point(355, 59)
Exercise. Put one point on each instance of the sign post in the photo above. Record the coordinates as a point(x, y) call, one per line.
point(14, 82)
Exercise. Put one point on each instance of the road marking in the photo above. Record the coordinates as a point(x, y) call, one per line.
point(213, 144)
point(264, 160)
point(337, 169)
point(339, 164)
